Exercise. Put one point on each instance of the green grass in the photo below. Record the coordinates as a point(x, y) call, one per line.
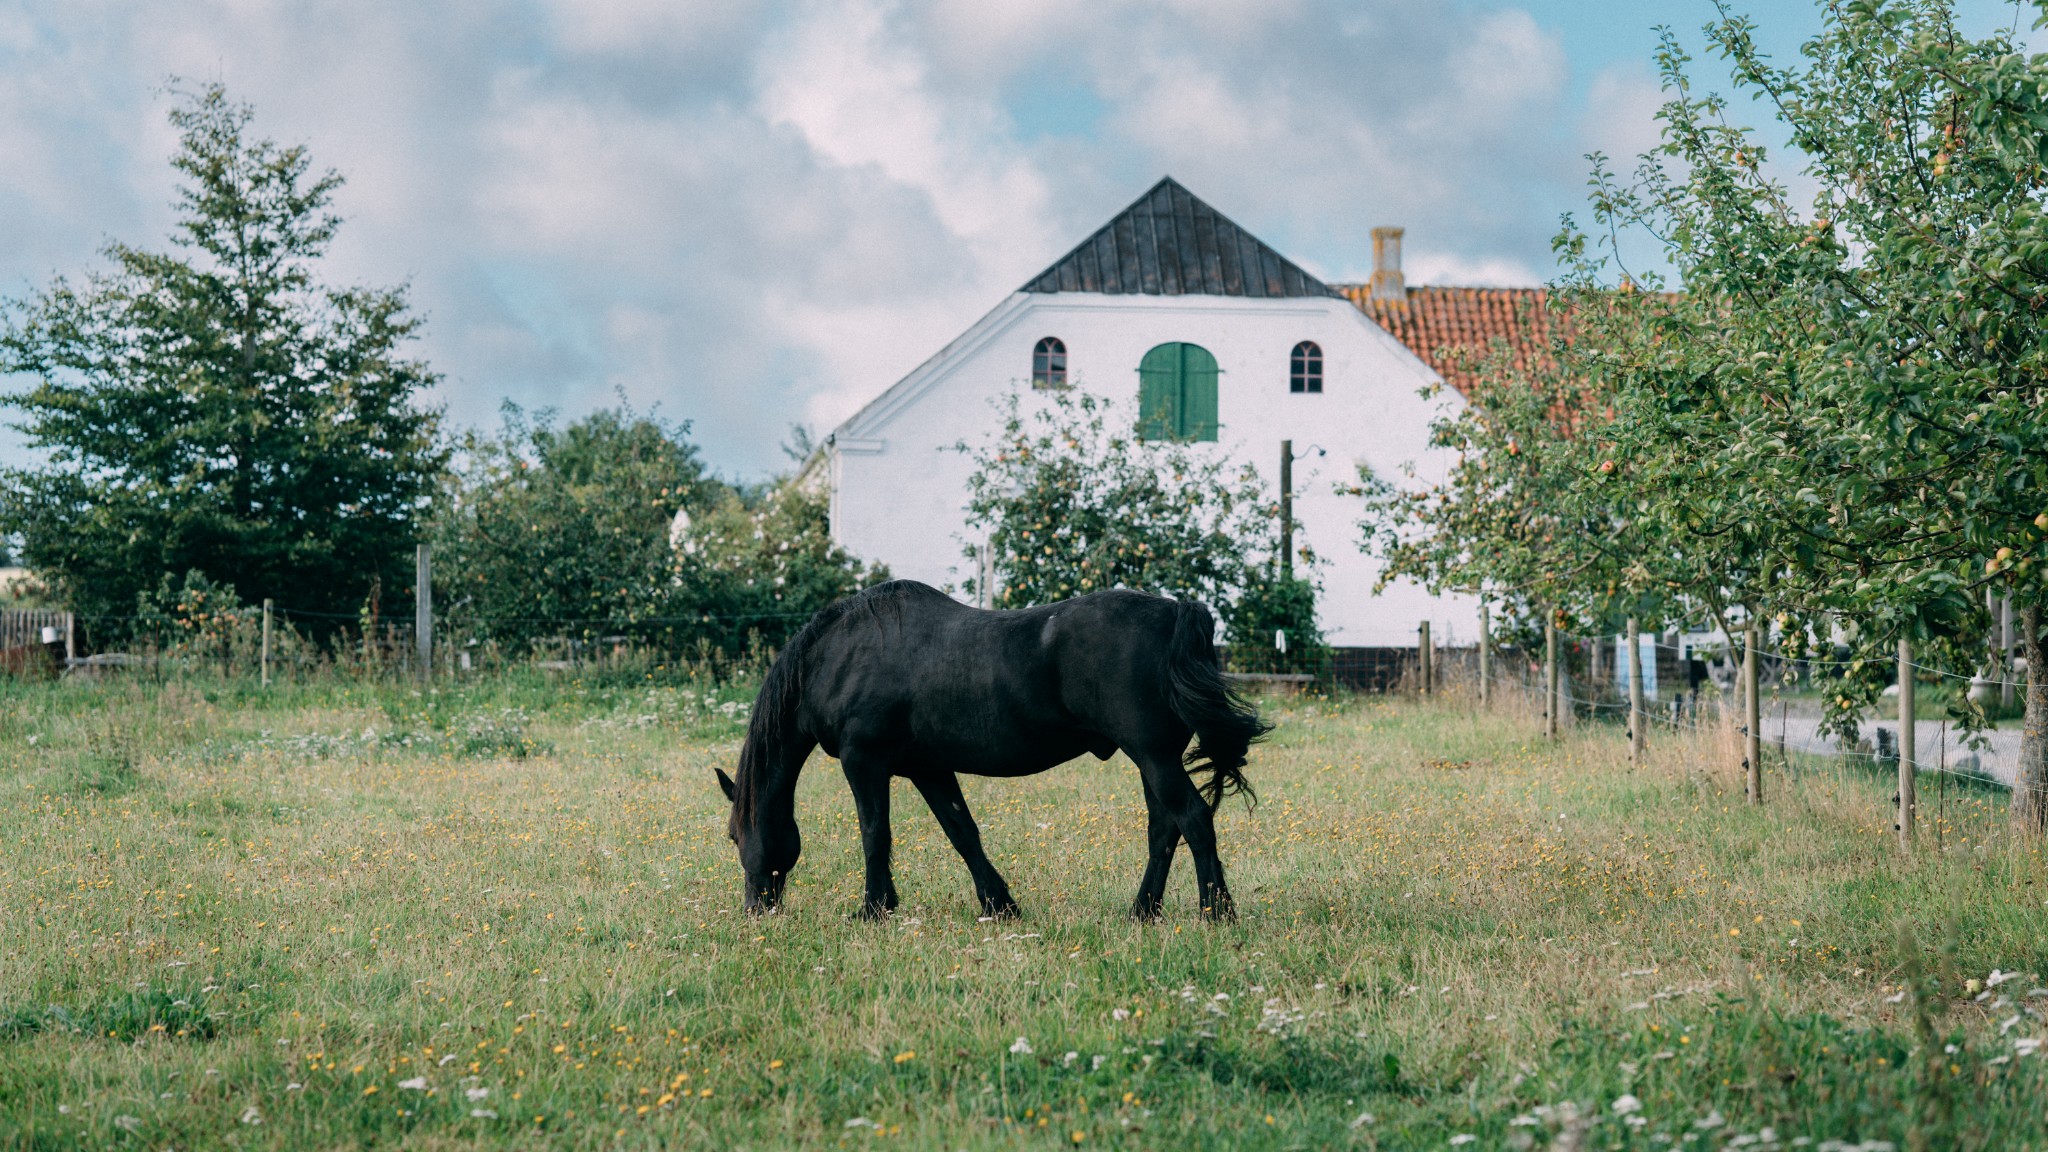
point(248, 919)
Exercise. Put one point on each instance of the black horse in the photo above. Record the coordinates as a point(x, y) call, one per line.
point(902, 680)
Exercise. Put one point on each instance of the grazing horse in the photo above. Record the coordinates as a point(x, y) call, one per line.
point(902, 680)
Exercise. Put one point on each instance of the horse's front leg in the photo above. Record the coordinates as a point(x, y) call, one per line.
point(871, 804)
point(941, 790)
point(1162, 836)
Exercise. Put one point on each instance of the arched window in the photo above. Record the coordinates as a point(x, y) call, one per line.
point(1177, 393)
point(1305, 368)
point(1049, 364)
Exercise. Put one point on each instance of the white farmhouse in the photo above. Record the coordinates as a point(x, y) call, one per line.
point(1233, 343)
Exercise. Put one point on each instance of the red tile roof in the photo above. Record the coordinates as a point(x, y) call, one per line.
point(1453, 329)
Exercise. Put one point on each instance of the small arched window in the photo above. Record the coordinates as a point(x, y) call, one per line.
point(1049, 364)
point(1305, 368)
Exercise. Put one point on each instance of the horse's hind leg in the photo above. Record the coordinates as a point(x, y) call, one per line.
point(1175, 793)
point(1162, 834)
point(942, 791)
point(871, 804)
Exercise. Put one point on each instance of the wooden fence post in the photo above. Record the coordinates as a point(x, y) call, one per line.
point(1422, 658)
point(1550, 674)
point(1485, 657)
point(423, 610)
point(266, 641)
point(1908, 803)
point(1752, 720)
point(70, 639)
point(2006, 675)
point(1637, 737)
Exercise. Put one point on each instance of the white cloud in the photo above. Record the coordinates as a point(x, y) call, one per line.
point(1621, 114)
point(754, 214)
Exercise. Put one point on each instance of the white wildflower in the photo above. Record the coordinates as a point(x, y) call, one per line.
point(476, 1094)
point(1021, 1047)
point(1463, 1138)
point(251, 1116)
point(1067, 1061)
point(1625, 1104)
point(2026, 1046)
point(483, 1114)
point(1120, 1014)
point(416, 1084)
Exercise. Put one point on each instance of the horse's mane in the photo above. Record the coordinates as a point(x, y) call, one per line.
point(774, 716)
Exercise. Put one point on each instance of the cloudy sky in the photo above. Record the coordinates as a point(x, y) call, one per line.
point(751, 215)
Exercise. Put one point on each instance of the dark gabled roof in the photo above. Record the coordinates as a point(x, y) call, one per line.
point(1169, 243)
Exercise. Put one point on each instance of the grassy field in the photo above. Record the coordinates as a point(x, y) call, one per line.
point(504, 914)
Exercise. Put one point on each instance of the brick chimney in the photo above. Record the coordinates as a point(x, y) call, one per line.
point(1387, 282)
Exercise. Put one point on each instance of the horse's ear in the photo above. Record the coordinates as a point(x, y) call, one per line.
point(724, 782)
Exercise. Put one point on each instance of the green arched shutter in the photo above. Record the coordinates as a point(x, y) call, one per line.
point(1159, 393)
point(1177, 393)
point(1197, 393)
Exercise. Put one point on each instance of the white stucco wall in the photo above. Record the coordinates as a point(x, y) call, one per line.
point(899, 489)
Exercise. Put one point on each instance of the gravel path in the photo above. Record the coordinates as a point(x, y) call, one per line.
point(1999, 759)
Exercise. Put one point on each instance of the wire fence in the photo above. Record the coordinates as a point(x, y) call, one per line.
point(1709, 705)
point(1684, 691)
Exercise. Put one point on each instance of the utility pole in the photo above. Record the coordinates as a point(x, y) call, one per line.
point(1638, 739)
point(1287, 509)
point(1908, 803)
point(423, 610)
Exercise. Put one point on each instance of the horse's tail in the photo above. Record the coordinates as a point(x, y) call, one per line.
point(1226, 726)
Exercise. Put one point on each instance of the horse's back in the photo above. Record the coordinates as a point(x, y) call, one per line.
point(912, 673)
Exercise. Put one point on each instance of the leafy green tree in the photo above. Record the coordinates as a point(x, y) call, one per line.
point(1879, 353)
point(1074, 502)
point(1271, 603)
point(1835, 429)
point(754, 566)
point(216, 408)
point(553, 532)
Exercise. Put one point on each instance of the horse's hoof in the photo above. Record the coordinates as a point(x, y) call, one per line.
point(1002, 909)
point(872, 913)
point(1145, 911)
point(1220, 911)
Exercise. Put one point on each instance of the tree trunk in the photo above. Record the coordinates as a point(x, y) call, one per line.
point(2030, 786)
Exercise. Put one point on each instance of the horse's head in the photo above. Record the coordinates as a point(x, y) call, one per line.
point(768, 842)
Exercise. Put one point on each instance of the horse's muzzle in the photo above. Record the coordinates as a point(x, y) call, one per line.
point(764, 894)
